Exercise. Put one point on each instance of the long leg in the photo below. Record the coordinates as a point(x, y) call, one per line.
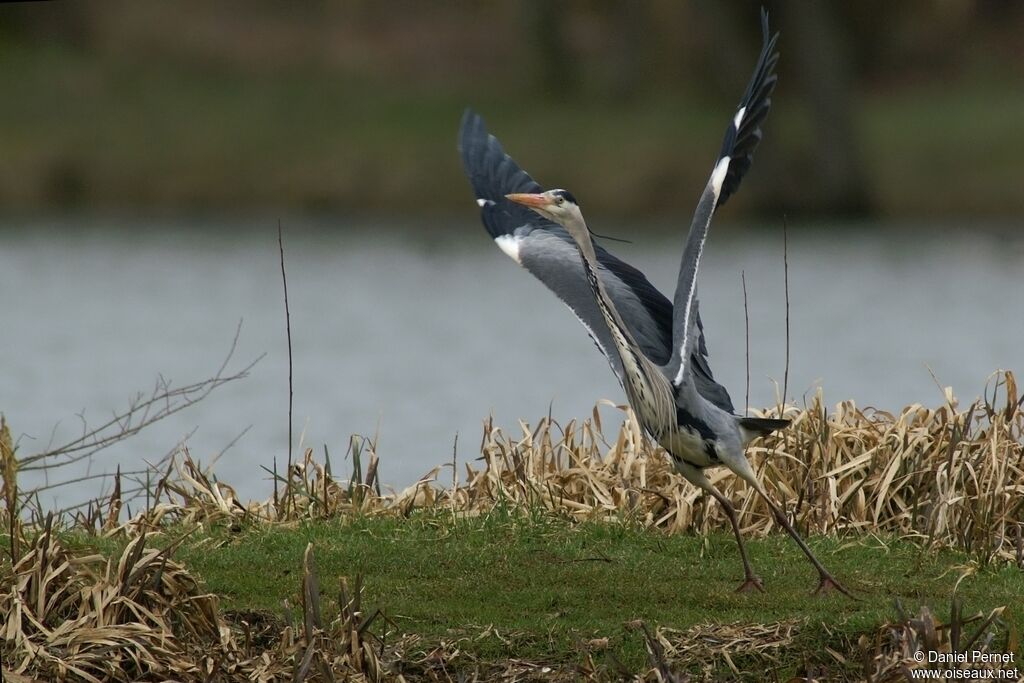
point(752, 581)
point(826, 582)
point(696, 477)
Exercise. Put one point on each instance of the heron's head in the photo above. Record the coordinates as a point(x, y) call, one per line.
point(555, 205)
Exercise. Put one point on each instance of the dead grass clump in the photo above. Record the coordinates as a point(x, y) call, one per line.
point(887, 656)
point(709, 645)
point(104, 620)
point(452, 659)
point(142, 616)
point(905, 645)
point(187, 494)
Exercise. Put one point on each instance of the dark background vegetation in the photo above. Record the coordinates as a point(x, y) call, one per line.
point(911, 110)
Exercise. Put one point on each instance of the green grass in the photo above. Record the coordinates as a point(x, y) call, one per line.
point(547, 585)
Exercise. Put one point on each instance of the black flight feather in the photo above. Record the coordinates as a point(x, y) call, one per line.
point(739, 144)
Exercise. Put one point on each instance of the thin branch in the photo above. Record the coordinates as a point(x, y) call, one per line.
point(288, 330)
point(785, 271)
point(228, 447)
point(128, 494)
point(83, 478)
point(455, 467)
point(746, 330)
point(163, 402)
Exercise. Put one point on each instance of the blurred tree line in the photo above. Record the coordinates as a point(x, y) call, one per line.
point(908, 108)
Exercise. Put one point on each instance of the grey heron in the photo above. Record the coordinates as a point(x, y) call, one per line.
point(657, 350)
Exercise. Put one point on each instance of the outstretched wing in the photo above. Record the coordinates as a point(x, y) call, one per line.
point(549, 253)
point(741, 138)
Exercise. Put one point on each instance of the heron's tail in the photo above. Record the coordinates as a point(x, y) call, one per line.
point(753, 427)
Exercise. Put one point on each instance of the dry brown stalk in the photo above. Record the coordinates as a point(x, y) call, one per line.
point(142, 616)
point(945, 476)
point(9, 468)
point(889, 656)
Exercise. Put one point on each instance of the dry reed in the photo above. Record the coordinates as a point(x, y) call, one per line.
point(945, 477)
point(143, 617)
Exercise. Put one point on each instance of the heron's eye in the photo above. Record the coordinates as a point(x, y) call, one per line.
point(560, 200)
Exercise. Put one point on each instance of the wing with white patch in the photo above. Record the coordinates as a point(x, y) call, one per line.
point(741, 139)
point(493, 174)
point(549, 253)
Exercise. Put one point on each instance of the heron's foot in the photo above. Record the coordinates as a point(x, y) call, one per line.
point(828, 584)
point(753, 583)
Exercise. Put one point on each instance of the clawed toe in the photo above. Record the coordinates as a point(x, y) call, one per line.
point(753, 583)
point(829, 584)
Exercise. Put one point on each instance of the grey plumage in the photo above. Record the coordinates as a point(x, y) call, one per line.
point(657, 352)
point(548, 252)
point(737, 151)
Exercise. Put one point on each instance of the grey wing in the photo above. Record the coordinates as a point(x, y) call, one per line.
point(734, 160)
point(549, 253)
point(706, 384)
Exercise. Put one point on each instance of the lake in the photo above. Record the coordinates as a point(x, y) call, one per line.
point(417, 332)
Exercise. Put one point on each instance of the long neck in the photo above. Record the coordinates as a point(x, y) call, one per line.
point(621, 335)
point(647, 389)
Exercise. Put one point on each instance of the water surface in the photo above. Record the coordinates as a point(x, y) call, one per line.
point(418, 334)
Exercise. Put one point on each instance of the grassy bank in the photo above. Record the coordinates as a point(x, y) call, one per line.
point(558, 554)
point(515, 585)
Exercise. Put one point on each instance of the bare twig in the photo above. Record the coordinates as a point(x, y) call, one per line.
point(288, 331)
point(161, 403)
point(141, 479)
point(455, 464)
point(229, 446)
point(746, 330)
point(785, 272)
point(128, 494)
point(87, 477)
